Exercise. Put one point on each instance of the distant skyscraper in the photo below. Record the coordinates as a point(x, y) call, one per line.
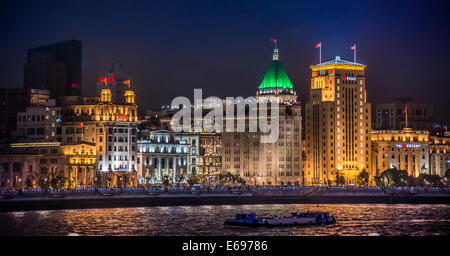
point(55, 67)
point(337, 129)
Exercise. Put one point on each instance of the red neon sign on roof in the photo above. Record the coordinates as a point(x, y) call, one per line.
point(106, 79)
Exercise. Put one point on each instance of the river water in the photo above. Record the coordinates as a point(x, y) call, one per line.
point(360, 220)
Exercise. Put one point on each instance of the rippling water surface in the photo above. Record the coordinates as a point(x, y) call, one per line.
point(208, 220)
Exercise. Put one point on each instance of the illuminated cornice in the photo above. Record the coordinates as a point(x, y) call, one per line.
point(338, 63)
point(35, 144)
point(338, 66)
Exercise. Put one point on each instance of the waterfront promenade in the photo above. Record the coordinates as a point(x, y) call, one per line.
point(180, 196)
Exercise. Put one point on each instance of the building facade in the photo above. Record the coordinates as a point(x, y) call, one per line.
point(31, 165)
point(404, 149)
point(112, 128)
point(39, 123)
point(338, 123)
point(277, 163)
point(209, 163)
point(392, 116)
point(193, 140)
point(13, 101)
point(439, 155)
point(161, 158)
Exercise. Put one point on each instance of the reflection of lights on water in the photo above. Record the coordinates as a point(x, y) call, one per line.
point(227, 207)
point(42, 213)
point(18, 214)
point(73, 234)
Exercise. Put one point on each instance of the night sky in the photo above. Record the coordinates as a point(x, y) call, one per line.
point(171, 47)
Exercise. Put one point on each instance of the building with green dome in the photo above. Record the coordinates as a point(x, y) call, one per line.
point(269, 164)
point(276, 82)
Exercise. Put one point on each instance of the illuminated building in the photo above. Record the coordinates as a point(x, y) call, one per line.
point(55, 67)
point(39, 123)
point(439, 155)
point(16, 168)
point(117, 81)
point(337, 125)
point(193, 140)
point(405, 149)
point(161, 157)
point(210, 156)
point(25, 165)
point(277, 163)
point(392, 117)
point(80, 163)
point(111, 127)
point(13, 101)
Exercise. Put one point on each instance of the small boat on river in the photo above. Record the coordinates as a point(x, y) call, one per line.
point(296, 219)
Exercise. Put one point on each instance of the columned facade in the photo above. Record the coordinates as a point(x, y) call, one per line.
point(161, 159)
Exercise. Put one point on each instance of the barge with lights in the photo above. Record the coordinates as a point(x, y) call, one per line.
point(296, 219)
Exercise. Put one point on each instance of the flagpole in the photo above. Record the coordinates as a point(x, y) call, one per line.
point(320, 53)
point(354, 54)
point(406, 118)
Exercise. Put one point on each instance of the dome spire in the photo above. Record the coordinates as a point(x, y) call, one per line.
point(275, 49)
point(275, 54)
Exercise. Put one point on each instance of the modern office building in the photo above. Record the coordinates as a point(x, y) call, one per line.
point(337, 125)
point(55, 67)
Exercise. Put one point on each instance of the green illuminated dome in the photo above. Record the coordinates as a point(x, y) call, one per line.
point(276, 79)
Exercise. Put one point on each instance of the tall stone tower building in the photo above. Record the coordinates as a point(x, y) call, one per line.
point(277, 163)
point(338, 124)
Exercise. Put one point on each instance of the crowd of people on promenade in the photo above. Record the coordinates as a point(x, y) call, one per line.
point(227, 189)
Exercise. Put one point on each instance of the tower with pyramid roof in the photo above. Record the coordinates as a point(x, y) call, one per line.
point(276, 83)
point(276, 163)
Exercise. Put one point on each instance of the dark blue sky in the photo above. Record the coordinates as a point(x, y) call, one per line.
point(171, 47)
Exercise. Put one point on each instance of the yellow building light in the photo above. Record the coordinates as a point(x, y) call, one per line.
point(338, 66)
point(33, 145)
